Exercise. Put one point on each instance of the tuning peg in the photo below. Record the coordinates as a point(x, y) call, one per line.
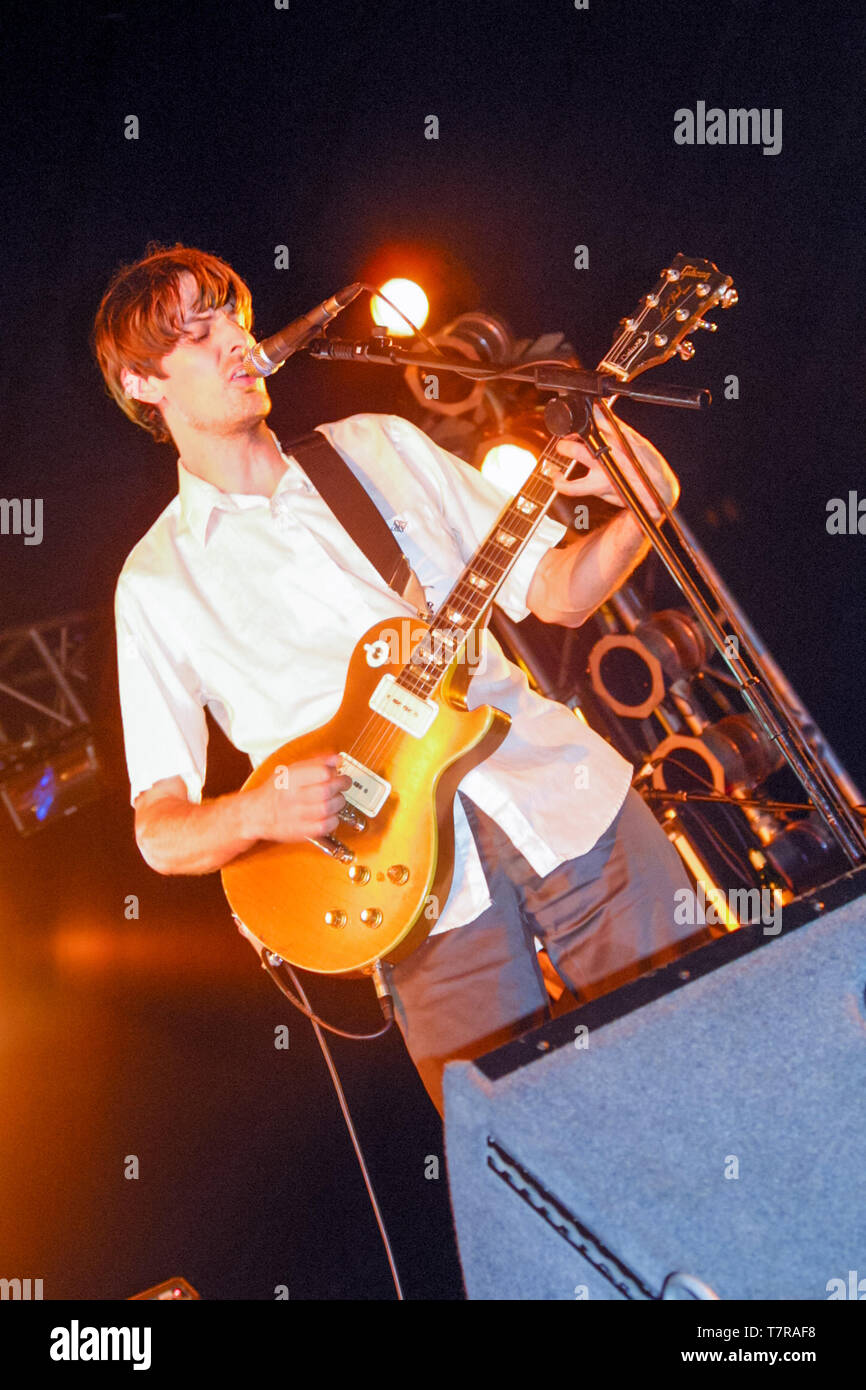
point(710, 327)
point(686, 350)
point(729, 298)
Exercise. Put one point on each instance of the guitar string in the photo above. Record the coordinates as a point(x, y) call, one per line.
point(415, 678)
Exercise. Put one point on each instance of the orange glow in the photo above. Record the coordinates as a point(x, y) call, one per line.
point(411, 299)
point(83, 948)
point(508, 466)
point(702, 876)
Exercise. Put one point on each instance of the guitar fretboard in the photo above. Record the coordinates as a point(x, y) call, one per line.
point(468, 602)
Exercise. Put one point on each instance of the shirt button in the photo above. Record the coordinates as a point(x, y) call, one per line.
point(296, 479)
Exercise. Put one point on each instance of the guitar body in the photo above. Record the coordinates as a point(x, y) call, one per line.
point(282, 892)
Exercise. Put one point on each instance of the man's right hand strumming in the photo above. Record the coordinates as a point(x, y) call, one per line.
point(177, 836)
point(302, 801)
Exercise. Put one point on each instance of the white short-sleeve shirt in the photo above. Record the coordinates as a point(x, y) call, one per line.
point(251, 606)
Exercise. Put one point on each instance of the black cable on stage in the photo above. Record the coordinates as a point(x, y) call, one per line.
point(318, 1025)
point(473, 371)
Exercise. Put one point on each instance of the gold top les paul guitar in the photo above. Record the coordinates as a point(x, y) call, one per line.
point(368, 892)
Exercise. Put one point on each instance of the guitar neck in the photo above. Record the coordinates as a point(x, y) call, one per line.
point(468, 602)
point(475, 590)
point(687, 289)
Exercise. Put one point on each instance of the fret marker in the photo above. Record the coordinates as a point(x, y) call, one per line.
point(437, 646)
point(478, 581)
point(455, 615)
point(505, 538)
point(524, 505)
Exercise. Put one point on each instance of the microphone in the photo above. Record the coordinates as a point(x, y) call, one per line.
point(266, 357)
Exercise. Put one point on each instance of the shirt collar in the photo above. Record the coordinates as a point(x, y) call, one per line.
point(199, 498)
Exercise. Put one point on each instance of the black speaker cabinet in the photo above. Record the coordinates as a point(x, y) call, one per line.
point(699, 1133)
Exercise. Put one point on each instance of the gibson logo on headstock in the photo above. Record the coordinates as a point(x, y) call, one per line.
point(686, 291)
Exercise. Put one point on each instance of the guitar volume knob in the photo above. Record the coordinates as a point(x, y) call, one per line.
point(371, 916)
point(359, 873)
point(335, 917)
point(398, 873)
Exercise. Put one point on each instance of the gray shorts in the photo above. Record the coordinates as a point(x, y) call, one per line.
point(603, 918)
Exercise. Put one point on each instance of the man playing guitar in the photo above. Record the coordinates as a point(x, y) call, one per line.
point(246, 597)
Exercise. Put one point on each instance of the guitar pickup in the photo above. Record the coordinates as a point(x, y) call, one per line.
point(368, 793)
point(408, 711)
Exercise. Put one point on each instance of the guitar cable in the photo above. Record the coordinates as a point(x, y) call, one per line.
point(474, 371)
point(272, 963)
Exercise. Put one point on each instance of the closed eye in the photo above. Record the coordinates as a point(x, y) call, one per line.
point(200, 326)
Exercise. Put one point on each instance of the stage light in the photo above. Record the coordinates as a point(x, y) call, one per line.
point(409, 297)
point(507, 454)
point(53, 786)
point(633, 671)
point(480, 338)
point(507, 464)
point(735, 754)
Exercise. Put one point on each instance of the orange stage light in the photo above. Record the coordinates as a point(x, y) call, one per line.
point(409, 297)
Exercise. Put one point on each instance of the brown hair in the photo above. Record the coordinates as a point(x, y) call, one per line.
point(139, 318)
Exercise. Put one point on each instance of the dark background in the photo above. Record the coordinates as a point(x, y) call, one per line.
point(305, 127)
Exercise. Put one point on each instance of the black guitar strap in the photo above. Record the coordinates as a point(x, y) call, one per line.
point(356, 512)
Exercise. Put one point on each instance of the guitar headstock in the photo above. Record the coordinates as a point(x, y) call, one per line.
point(686, 292)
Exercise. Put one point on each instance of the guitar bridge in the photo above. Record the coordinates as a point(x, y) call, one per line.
point(351, 818)
point(335, 848)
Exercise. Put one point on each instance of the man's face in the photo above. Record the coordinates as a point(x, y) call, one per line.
point(200, 389)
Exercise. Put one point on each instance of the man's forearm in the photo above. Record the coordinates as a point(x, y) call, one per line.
point(181, 837)
point(572, 583)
